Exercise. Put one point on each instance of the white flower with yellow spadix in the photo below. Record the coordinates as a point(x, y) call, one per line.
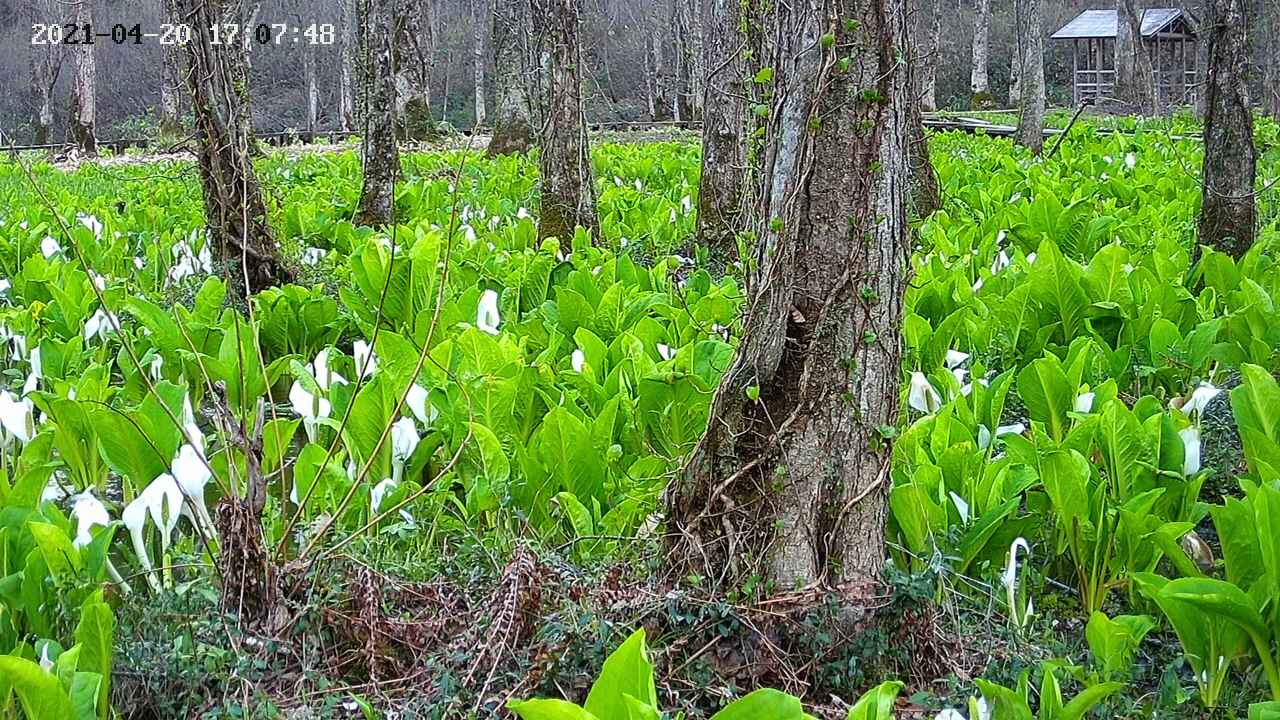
point(311, 408)
point(487, 317)
point(1191, 450)
point(17, 417)
point(366, 360)
point(89, 512)
point(1017, 615)
point(100, 324)
point(921, 395)
point(404, 440)
point(192, 473)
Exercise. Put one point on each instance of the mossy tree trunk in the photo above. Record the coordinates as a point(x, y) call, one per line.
point(789, 484)
point(568, 192)
point(1228, 210)
point(379, 153)
point(235, 214)
point(512, 122)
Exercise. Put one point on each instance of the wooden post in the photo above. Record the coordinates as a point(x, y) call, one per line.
point(1075, 71)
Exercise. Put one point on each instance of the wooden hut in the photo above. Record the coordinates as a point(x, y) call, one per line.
point(1169, 35)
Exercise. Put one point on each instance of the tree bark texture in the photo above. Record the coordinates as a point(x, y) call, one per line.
point(312, 90)
point(46, 62)
point(512, 66)
point(929, 53)
point(1135, 77)
point(688, 35)
point(1030, 133)
point(82, 125)
point(380, 156)
point(346, 65)
point(722, 187)
point(234, 211)
point(170, 81)
point(978, 82)
point(568, 189)
point(478, 15)
point(789, 483)
point(925, 194)
point(1271, 68)
point(415, 64)
point(1228, 211)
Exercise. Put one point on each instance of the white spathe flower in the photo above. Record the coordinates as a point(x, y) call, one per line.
point(1130, 160)
point(17, 417)
point(312, 408)
point(192, 474)
point(313, 255)
point(135, 520)
point(665, 351)
point(487, 317)
point(163, 499)
point(955, 359)
point(1009, 579)
point(577, 360)
point(1200, 399)
point(949, 714)
point(50, 247)
point(325, 376)
point(1191, 447)
point(922, 397)
point(5, 285)
point(522, 213)
point(100, 324)
point(1031, 259)
point(962, 507)
point(1084, 402)
point(156, 367)
point(366, 359)
point(404, 439)
point(89, 513)
point(92, 223)
point(417, 402)
point(46, 663)
point(379, 492)
point(1001, 262)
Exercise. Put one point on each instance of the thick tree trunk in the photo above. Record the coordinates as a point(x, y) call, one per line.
point(1228, 211)
point(788, 485)
point(721, 189)
point(978, 82)
point(688, 35)
point(568, 190)
point(415, 64)
point(1030, 132)
point(925, 195)
point(234, 211)
point(46, 62)
point(82, 124)
point(378, 151)
point(930, 53)
point(660, 107)
point(170, 81)
point(1271, 69)
point(346, 65)
point(512, 123)
point(478, 15)
point(1135, 78)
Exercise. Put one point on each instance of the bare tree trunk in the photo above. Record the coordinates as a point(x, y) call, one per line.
point(1030, 132)
point(1135, 77)
point(1202, 62)
point(234, 211)
point(46, 62)
point(477, 55)
point(925, 194)
point(346, 63)
point(1271, 69)
point(170, 81)
point(415, 65)
point(650, 79)
point(978, 82)
point(1016, 59)
point(1228, 210)
point(512, 124)
point(379, 154)
point(82, 125)
point(688, 36)
point(722, 187)
point(930, 56)
point(788, 485)
point(568, 189)
point(659, 102)
point(312, 90)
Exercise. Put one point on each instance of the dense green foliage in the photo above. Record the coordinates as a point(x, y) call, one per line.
point(452, 379)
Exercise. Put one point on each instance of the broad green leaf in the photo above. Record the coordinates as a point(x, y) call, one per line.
point(627, 671)
point(764, 703)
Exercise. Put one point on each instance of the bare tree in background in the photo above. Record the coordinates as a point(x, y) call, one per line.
point(1030, 132)
point(1228, 210)
point(1135, 77)
point(1271, 67)
point(479, 12)
point(170, 79)
point(46, 62)
point(1016, 56)
point(979, 84)
point(346, 64)
point(415, 64)
point(690, 72)
point(789, 484)
point(234, 211)
point(925, 194)
point(721, 188)
point(568, 189)
point(380, 156)
point(929, 53)
point(512, 123)
point(82, 125)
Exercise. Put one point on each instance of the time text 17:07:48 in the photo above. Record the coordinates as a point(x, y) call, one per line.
point(179, 34)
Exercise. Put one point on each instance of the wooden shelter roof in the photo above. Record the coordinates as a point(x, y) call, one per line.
point(1102, 23)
